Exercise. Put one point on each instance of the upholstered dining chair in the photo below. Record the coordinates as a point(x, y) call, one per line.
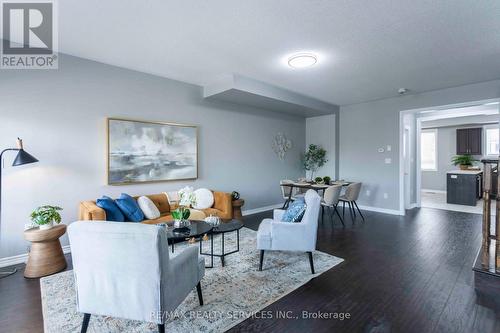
point(124, 270)
point(275, 235)
point(350, 197)
point(331, 201)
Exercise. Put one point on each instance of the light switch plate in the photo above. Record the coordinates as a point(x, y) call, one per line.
point(389, 148)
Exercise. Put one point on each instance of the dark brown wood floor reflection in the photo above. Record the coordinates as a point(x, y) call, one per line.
point(401, 274)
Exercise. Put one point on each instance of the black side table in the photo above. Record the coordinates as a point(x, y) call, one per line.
point(222, 229)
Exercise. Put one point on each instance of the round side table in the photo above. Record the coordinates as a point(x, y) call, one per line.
point(46, 256)
point(237, 204)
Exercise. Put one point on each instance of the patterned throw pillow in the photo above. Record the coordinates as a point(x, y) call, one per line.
point(295, 211)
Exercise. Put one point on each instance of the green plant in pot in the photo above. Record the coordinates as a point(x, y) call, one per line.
point(187, 198)
point(318, 180)
point(314, 158)
point(327, 180)
point(181, 216)
point(46, 216)
point(463, 161)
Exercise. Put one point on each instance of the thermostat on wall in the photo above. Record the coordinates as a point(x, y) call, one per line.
point(381, 150)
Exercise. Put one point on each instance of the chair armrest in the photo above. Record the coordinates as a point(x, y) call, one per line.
point(185, 265)
point(278, 214)
point(223, 203)
point(89, 211)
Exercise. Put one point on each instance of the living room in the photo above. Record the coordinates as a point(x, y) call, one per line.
point(262, 157)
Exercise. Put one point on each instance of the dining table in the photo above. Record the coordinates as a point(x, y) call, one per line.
point(309, 186)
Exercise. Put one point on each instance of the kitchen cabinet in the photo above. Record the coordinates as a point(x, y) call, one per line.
point(469, 141)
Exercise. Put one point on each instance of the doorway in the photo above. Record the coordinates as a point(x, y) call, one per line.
point(429, 142)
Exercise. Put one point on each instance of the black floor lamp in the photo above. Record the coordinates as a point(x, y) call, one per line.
point(22, 158)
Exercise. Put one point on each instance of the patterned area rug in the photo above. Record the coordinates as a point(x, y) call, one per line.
point(231, 293)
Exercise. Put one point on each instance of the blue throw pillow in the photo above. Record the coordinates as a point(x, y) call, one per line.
point(295, 211)
point(113, 213)
point(130, 208)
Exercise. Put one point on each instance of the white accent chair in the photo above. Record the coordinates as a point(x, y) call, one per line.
point(124, 270)
point(273, 234)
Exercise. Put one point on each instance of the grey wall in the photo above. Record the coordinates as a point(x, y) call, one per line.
point(367, 126)
point(321, 131)
point(61, 114)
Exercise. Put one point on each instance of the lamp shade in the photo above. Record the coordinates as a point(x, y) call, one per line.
point(23, 158)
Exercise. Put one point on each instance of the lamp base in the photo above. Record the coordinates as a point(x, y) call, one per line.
point(4, 274)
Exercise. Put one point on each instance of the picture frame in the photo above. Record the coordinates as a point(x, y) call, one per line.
point(140, 151)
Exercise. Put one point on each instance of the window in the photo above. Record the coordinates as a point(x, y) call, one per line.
point(428, 150)
point(491, 140)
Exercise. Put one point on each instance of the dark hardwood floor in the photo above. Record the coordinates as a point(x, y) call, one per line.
point(401, 274)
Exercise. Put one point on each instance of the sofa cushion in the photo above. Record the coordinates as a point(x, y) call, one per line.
point(148, 208)
point(113, 213)
point(204, 198)
point(295, 211)
point(129, 208)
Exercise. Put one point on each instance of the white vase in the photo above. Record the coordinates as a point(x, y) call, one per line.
point(46, 226)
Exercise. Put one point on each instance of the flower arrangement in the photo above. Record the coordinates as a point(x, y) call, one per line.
point(187, 198)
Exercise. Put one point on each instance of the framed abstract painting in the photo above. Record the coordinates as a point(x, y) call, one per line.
point(144, 151)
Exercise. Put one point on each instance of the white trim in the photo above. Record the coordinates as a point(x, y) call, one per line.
point(381, 210)
point(432, 191)
point(22, 258)
point(412, 205)
point(260, 209)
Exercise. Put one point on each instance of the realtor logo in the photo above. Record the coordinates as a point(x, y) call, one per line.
point(29, 38)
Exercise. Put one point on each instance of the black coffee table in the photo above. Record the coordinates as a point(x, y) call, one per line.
point(197, 229)
point(222, 229)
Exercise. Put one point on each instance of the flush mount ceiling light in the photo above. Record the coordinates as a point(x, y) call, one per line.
point(302, 60)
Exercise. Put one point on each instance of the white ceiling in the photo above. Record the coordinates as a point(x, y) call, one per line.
point(367, 49)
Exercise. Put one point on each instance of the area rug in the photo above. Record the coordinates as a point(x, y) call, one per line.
point(231, 293)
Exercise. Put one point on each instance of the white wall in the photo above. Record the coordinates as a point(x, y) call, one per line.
point(61, 115)
point(321, 131)
point(367, 126)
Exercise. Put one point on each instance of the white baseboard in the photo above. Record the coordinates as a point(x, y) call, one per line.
point(23, 258)
point(432, 191)
point(412, 205)
point(260, 209)
point(380, 210)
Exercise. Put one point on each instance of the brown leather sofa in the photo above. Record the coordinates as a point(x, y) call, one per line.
point(222, 207)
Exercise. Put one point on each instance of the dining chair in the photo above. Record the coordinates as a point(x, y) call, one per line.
point(330, 200)
point(350, 196)
point(285, 191)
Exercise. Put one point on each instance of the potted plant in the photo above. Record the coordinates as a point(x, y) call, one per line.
point(463, 161)
point(314, 158)
point(46, 216)
point(327, 180)
point(187, 198)
point(318, 180)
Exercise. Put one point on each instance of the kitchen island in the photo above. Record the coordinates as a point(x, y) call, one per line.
point(464, 187)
